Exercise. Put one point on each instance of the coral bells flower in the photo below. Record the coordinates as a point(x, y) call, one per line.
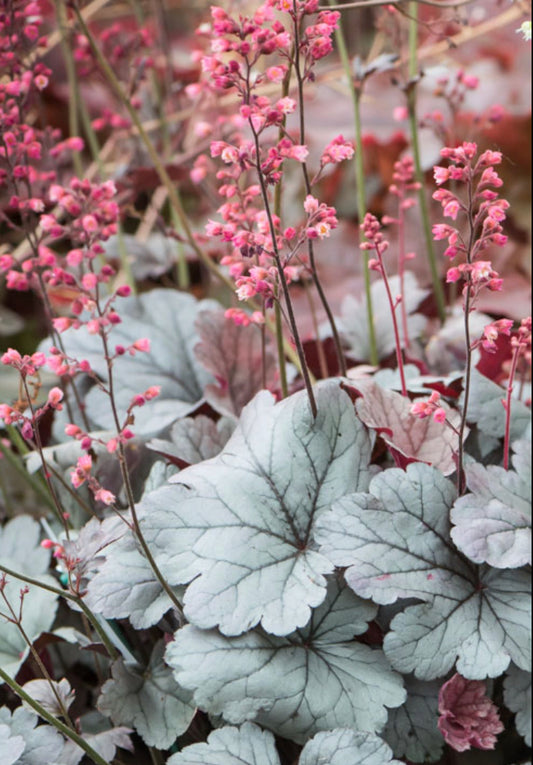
point(467, 716)
point(429, 408)
point(338, 150)
point(82, 471)
point(493, 330)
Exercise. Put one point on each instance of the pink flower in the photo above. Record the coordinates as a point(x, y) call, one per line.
point(441, 174)
point(55, 396)
point(467, 716)
point(105, 496)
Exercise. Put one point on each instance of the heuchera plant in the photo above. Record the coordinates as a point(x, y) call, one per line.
point(243, 520)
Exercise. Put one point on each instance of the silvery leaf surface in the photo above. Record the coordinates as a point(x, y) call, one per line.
point(492, 523)
point(517, 697)
point(482, 631)
point(343, 746)
point(411, 729)
point(247, 745)
point(21, 552)
point(42, 743)
point(194, 439)
point(148, 699)
point(241, 525)
point(125, 586)
point(11, 747)
point(19, 546)
point(395, 542)
point(317, 678)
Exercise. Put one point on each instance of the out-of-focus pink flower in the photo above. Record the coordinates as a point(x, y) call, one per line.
point(468, 718)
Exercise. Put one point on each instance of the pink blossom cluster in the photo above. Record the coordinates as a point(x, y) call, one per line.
point(28, 367)
point(259, 245)
point(430, 408)
point(467, 717)
point(481, 206)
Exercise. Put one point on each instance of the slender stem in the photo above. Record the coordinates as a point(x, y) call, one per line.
point(310, 247)
point(126, 478)
point(355, 92)
point(17, 621)
point(61, 727)
point(399, 355)
point(461, 484)
point(322, 361)
point(56, 501)
point(411, 97)
point(68, 596)
point(281, 355)
point(508, 401)
point(283, 281)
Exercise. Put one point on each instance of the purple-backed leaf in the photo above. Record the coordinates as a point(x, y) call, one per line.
point(167, 318)
point(149, 699)
point(194, 439)
point(395, 542)
point(423, 440)
point(411, 729)
point(234, 355)
point(315, 679)
point(517, 697)
point(493, 522)
point(53, 696)
point(241, 525)
point(231, 746)
point(343, 746)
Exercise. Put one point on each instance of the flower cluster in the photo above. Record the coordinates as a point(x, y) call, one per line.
point(28, 368)
point(467, 716)
point(245, 53)
point(430, 408)
point(482, 207)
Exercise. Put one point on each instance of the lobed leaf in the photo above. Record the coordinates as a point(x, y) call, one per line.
point(41, 743)
point(247, 745)
point(241, 525)
point(493, 522)
point(342, 746)
point(148, 699)
point(411, 729)
point(395, 542)
point(517, 697)
point(315, 679)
